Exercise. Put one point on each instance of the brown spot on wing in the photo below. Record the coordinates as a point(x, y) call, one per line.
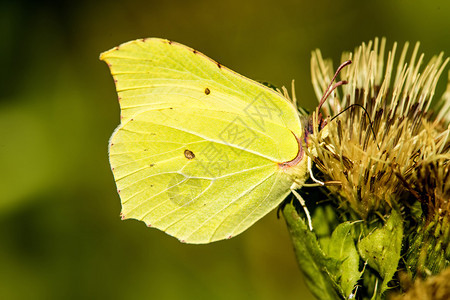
point(189, 154)
point(207, 91)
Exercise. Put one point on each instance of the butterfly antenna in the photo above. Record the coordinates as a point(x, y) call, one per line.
point(368, 116)
point(332, 87)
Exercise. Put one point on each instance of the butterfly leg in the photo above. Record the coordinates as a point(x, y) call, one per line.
point(311, 173)
point(303, 204)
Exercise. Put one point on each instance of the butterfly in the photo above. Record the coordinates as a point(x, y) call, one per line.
point(201, 152)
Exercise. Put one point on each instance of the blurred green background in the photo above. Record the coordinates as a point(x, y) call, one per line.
point(60, 232)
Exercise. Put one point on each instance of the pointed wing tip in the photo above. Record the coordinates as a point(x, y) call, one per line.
point(103, 55)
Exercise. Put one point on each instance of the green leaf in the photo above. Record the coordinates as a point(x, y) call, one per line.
point(324, 221)
point(342, 248)
point(316, 267)
point(381, 249)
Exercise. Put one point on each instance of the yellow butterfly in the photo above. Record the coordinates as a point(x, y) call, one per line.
point(201, 152)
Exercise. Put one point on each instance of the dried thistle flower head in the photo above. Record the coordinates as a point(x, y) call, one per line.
point(404, 153)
